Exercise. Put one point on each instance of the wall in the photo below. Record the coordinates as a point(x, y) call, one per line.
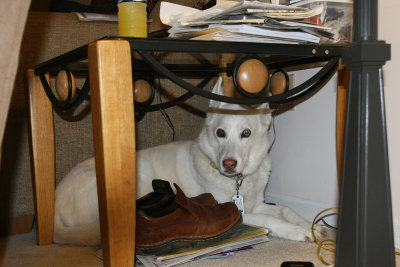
point(388, 28)
point(304, 173)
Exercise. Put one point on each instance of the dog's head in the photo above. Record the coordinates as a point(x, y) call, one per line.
point(235, 137)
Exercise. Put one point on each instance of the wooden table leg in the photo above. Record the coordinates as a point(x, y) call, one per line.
point(41, 137)
point(341, 109)
point(114, 144)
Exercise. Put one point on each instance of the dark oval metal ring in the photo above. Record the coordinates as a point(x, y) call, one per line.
point(329, 67)
point(140, 115)
point(69, 78)
point(63, 106)
point(241, 91)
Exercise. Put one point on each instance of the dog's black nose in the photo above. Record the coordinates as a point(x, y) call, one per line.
point(229, 164)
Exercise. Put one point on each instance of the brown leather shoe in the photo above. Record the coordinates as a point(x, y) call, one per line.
point(192, 224)
point(205, 199)
point(162, 201)
point(164, 186)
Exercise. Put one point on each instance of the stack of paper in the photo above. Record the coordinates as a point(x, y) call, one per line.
point(245, 238)
point(244, 21)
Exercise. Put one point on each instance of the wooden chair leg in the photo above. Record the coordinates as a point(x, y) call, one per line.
point(341, 108)
point(228, 86)
point(41, 127)
point(114, 144)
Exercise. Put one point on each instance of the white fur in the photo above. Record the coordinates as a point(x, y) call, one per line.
point(188, 165)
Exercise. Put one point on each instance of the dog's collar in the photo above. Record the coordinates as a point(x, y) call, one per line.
point(212, 164)
point(237, 198)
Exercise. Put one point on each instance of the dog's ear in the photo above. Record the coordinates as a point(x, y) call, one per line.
point(217, 105)
point(263, 107)
point(216, 90)
point(266, 119)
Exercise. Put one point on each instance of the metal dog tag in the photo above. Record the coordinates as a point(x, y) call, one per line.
point(238, 200)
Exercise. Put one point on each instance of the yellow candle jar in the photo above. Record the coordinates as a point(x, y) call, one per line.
point(132, 18)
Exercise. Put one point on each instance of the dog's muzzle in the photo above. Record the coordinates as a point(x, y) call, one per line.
point(229, 164)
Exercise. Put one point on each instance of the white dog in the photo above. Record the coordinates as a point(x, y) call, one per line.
point(232, 148)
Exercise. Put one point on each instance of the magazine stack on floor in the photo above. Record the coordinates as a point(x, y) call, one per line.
point(306, 21)
point(242, 240)
point(173, 229)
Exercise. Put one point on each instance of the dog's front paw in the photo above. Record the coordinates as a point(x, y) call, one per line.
point(320, 232)
point(294, 232)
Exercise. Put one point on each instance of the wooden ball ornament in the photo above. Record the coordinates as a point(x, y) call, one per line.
point(251, 77)
point(62, 86)
point(143, 91)
point(279, 82)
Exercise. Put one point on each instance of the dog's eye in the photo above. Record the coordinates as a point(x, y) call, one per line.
point(221, 133)
point(246, 133)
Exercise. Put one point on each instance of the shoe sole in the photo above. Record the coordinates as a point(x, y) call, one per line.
point(175, 245)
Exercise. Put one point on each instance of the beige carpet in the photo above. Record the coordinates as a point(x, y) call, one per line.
point(21, 250)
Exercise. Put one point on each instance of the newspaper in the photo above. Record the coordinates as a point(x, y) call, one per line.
point(302, 2)
point(244, 33)
point(177, 15)
point(244, 21)
point(284, 35)
point(265, 13)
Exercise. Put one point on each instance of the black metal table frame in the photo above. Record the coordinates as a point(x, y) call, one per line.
point(365, 236)
point(305, 54)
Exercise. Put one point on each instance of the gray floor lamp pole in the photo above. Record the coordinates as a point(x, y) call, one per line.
point(365, 236)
